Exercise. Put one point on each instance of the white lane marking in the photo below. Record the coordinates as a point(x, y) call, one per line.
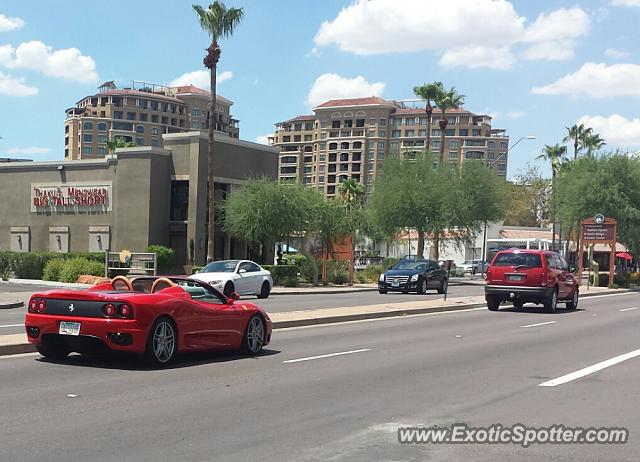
point(629, 309)
point(19, 355)
point(12, 325)
point(539, 324)
point(327, 356)
point(590, 370)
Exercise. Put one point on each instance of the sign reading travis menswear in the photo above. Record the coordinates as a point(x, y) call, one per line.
point(71, 197)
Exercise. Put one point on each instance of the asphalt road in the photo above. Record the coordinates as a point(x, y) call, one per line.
point(476, 367)
point(11, 320)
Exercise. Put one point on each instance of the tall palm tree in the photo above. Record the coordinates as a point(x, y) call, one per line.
point(219, 22)
point(429, 92)
point(576, 134)
point(119, 142)
point(351, 193)
point(446, 100)
point(555, 155)
point(592, 142)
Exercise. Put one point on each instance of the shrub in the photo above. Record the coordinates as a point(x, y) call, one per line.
point(5, 263)
point(373, 272)
point(75, 267)
point(360, 277)
point(53, 268)
point(622, 279)
point(165, 256)
point(339, 276)
point(634, 278)
point(29, 265)
point(283, 275)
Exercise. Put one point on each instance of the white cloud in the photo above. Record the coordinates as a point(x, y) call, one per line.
point(499, 58)
point(616, 54)
point(615, 129)
point(8, 24)
point(12, 86)
point(69, 63)
point(200, 79)
point(471, 33)
point(333, 86)
point(625, 2)
point(597, 80)
point(263, 139)
point(28, 151)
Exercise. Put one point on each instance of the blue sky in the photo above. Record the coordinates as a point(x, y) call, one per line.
point(535, 66)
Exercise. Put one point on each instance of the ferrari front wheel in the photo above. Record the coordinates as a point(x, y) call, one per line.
point(254, 335)
point(161, 344)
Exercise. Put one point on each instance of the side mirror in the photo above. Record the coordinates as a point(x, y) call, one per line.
point(233, 297)
point(242, 271)
point(572, 269)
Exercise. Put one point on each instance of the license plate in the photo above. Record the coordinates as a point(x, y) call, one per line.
point(69, 328)
point(516, 278)
point(395, 284)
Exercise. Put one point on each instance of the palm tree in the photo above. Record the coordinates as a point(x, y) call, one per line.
point(219, 22)
point(446, 100)
point(555, 155)
point(577, 134)
point(592, 142)
point(119, 142)
point(351, 193)
point(429, 92)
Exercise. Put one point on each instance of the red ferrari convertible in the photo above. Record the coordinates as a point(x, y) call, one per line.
point(154, 316)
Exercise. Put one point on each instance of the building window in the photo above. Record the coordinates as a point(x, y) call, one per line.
point(394, 146)
point(87, 138)
point(140, 141)
point(380, 145)
point(102, 139)
point(422, 132)
point(87, 125)
point(396, 122)
point(195, 112)
point(383, 133)
point(371, 144)
point(502, 167)
point(503, 145)
point(86, 150)
point(179, 200)
point(395, 133)
point(140, 129)
point(323, 136)
point(475, 132)
point(131, 116)
point(102, 126)
point(422, 121)
point(372, 122)
point(435, 132)
point(435, 144)
point(464, 132)
point(453, 143)
point(323, 124)
point(117, 115)
point(409, 133)
point(102, 151)
point(453, 154)
point(450, 132)
point(155, 143)
point(410, 121)
point(194, 125)
point(383, 122)
point(371, 155)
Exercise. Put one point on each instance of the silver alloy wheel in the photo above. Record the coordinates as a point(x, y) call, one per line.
point(164, 341)
point(554, 301)
point(575, 299)
point(423, 286)
point(255, 334)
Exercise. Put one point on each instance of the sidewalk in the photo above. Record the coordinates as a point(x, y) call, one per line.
point(17, 343)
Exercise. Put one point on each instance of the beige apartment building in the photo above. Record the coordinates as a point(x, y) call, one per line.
point(349, 138)
point(140, 114)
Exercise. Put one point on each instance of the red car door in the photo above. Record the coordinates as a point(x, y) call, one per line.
point(221, 323)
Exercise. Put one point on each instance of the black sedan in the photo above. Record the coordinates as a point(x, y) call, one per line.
point(413, 275)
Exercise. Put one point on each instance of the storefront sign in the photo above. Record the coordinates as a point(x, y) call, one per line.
point(598, 232)
point(71, 197)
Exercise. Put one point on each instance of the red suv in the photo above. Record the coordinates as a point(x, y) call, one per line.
point(530, 276)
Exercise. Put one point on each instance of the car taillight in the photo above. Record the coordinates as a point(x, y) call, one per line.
point(37, 306)
point(109, 309)
point(543, 279)
point(126, 311)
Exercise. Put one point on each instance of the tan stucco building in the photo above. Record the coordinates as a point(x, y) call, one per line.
point(136, 197)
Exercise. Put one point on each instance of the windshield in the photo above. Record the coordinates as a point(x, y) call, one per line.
point(531, 260)
point(224, 266)
point(409, 265)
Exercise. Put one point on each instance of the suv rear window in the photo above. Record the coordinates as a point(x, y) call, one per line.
point(531, 260)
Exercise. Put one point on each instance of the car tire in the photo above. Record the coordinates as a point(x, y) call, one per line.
point(551, 303)
point(228, 289)
point(162, 342)
point(492, 303)
point(53, 351)
point(422, 287)
point(473, 271)
point(573, 303)
point(518, 304)
point(254, 335)
point(382, 291)
point(265, 290)
point(443, 287)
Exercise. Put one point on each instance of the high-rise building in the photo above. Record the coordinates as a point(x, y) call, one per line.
point(349, 138)
point(140, 114)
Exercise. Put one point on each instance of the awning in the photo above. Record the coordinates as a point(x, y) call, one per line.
point(624, 255)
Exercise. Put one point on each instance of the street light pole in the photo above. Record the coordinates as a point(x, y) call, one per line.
point(484, 234)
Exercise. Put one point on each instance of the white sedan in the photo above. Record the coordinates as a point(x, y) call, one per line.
point(242, 276)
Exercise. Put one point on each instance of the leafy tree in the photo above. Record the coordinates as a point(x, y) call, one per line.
point(529, 199)
point(593, 143)
point(429, 92)
point(351, 194)
point(576, 134)
point(219, 22)
point(446, 100)
point(555, 155)
point(117, 143)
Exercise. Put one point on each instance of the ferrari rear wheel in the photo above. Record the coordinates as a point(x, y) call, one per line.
point(53, 351)
point(161, 344)
point(264, 290)
point(254, 335)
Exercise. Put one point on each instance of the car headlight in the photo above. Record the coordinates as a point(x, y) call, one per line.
point(414, 277)
point(381, 277)
point(215, 283)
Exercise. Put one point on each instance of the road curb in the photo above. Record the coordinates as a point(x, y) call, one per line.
point(9, 305)
point(17, 348)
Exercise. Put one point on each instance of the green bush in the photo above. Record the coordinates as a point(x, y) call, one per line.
point(30, 265)
point(75, 267)
point(5, 263)
point(634, 278)
point(283, 275)
point(622, 279)
point(373, 272)
point(165, 256)
point(53, 268)
point(360, 277)
point(339, 276)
